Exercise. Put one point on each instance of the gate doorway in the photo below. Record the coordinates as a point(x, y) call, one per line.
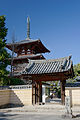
point(37, 96)
point(52, 92)
point(48, 70)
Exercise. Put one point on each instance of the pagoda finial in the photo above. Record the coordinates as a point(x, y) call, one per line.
point(28, 27)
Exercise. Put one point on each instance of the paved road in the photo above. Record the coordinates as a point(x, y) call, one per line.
point(33, 116)
point(38, 112)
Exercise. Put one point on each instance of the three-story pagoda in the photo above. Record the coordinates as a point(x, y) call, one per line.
point(25, 50)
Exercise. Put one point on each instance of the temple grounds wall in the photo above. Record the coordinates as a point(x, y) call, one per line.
point(18, 95)
point(4, 97)
point(74, 93)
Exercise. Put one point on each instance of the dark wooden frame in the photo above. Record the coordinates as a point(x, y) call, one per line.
point(37, 84)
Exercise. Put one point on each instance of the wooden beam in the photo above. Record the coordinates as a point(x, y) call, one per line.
point(46, 77)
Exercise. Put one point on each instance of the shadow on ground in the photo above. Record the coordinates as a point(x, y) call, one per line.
point(77, 115)
point(3, 119)
point(3, 115)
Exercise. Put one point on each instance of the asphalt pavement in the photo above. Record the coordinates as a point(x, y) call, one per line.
point(39, 112)
point(34, 116)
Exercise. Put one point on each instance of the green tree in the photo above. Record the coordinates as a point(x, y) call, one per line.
point(4, 55)
point(77, 69)
point(55, 88)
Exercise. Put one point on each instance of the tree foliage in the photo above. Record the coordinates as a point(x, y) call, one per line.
point(4, 55)
point(77, 70)
point(15, 81)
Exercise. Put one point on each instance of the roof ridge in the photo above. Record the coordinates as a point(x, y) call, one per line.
point(25, 40)
point(50, 60)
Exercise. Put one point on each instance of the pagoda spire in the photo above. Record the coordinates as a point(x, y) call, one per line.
point(28, 27)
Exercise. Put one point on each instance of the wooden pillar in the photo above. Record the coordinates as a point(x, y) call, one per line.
point(37, 92)
point(33, 92)
point(63, 91)
point(40, 91)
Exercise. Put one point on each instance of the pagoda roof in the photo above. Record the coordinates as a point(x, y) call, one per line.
point(29, 56)
point(48, 66)
point(38, 45)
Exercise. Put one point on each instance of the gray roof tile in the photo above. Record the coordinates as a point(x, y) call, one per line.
point(48, 66)
point(23, 42)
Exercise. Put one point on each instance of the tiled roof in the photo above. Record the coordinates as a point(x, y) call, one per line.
point(23, 42)
point(39, 47)
point(76, 84)
point(48, 66)
point(28, 56)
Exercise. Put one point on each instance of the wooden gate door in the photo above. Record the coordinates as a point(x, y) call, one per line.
point(36, 92)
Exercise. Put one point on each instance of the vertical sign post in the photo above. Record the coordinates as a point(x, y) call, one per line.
point(68, 105)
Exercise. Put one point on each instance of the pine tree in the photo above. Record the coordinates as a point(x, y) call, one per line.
point(4, 55)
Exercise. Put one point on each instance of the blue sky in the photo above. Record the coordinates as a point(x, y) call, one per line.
point(55, 22)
